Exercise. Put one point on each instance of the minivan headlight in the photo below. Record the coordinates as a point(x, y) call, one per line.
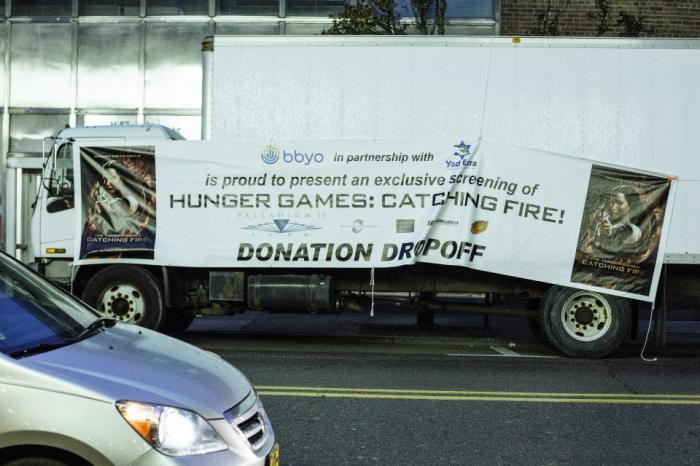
point(172, 431)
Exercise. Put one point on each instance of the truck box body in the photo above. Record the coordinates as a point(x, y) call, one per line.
point(627, 102)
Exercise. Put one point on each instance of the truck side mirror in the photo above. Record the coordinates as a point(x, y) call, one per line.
point(58, 204)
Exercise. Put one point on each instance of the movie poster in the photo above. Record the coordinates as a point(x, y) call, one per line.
point(620, 230)
point(118, 202)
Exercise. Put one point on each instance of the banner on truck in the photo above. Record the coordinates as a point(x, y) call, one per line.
point(118, 202)
point(361, 204)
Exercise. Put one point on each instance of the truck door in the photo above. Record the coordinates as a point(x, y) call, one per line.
point(58, 213)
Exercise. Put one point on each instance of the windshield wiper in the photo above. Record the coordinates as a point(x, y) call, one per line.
point(40, 348)
point(95, 325)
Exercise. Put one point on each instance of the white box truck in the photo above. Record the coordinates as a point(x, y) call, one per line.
point(470, 117)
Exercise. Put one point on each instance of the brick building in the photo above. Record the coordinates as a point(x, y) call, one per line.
point(669, 18)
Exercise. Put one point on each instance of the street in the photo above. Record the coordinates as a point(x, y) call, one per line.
point(416, 400)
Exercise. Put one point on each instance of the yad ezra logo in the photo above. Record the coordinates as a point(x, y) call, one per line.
point(281, 225)
point(464, 155)
point(270, 154)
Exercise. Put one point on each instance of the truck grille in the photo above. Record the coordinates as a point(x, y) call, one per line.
point(249, 421)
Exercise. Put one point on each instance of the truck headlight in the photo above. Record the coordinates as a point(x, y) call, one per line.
point(171, 431)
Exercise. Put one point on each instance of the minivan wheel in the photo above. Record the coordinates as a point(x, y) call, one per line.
point(584, 324)
point(127, 293)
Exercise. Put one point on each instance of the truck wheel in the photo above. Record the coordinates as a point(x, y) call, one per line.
point(584, 324)
point(127, 293)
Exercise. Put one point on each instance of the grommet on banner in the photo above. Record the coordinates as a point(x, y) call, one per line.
point(371, 283)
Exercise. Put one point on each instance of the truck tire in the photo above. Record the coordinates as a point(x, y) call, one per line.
point(536, 329)
point(127, 293)
point(534, 324)
point(584, 324)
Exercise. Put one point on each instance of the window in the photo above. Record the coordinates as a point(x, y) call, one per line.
point(248, 7)
point(457, 9)
point(108, 58)
point(479, 9)
point(41, 57)
point(27, 131)
point(33, 316)
point(250, 29)
point(314, 7)
point(41, 8)
point(109, 7)
point(305, 29)
point(177, 7)
point(174, 64)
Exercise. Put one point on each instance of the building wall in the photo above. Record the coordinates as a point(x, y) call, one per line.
point(670, 18)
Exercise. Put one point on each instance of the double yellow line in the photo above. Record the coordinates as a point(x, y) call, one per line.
point(469, 395)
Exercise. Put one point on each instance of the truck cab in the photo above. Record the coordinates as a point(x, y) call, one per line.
point(53, 226)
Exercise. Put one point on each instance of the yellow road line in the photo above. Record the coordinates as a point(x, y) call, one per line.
point(474, 392)
point(387, 396)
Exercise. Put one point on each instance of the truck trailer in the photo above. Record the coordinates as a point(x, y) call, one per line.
point(607, 110)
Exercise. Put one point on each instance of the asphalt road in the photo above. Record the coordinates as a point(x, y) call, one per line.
point(355, 400)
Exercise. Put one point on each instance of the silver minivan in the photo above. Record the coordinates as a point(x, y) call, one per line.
point(77, 389)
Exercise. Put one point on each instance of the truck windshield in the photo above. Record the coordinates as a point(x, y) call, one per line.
point(34, 316)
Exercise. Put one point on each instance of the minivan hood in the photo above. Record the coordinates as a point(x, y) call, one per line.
point(132, 363)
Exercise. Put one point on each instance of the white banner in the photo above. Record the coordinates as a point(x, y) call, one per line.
point(341, 204)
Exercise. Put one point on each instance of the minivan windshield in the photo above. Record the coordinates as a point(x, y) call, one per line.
point(35, 316)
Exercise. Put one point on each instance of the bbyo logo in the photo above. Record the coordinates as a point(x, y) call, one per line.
point(270, 154)
point(302, 157)
point(464, 154)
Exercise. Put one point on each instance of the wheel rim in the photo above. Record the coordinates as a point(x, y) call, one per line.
point(123, 302)
point(586, 316)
